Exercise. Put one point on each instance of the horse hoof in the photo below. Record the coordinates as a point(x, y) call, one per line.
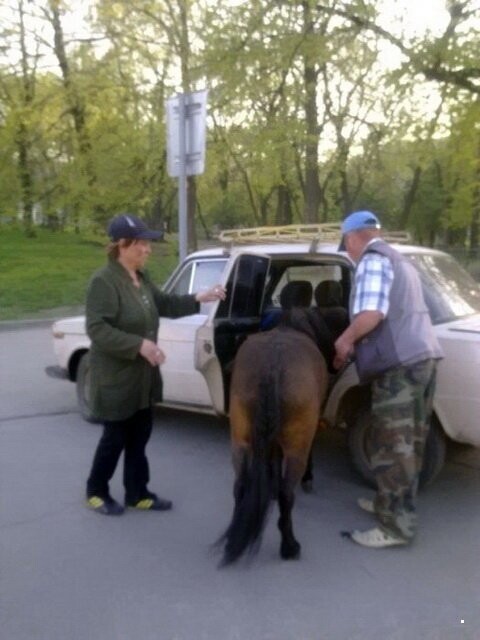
point(307, 486)
point(290, 551)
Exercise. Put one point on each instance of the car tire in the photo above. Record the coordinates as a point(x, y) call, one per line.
point(435, 449)
point(82, 380)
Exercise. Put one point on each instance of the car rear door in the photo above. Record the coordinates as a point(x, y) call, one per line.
point(183, 385)
point(218, 340)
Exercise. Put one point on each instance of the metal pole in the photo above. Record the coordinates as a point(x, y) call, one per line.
point(182, 179)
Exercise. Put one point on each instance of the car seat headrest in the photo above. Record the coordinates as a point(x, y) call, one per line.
point(297, 293)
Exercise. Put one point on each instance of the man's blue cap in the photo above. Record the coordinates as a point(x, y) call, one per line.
point(130, 227)
point(356, 222)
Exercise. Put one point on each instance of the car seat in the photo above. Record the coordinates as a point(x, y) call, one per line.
point(297, 293)
point(328, 296)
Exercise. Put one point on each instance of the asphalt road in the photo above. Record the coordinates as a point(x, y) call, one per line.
point(69, 574)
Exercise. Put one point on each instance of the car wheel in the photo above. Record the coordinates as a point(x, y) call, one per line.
point(83, 395)
point(434, 458)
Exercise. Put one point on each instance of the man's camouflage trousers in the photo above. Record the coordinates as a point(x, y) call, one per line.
point(402, 401)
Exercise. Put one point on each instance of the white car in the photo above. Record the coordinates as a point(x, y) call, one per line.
point(200, 348)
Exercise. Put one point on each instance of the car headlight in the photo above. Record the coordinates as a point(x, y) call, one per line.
point(58, 334)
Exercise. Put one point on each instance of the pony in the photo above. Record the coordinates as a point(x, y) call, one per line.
point(278, 386)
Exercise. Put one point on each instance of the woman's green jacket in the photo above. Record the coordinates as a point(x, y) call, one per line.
point(119, 316)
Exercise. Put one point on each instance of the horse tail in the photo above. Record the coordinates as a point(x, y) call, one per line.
point(256, 481)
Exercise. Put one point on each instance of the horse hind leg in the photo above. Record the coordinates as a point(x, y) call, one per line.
point(307, 479)
point(293, 469)
point(276, 463)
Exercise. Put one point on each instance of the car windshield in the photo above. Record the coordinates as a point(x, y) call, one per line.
point(450, 292)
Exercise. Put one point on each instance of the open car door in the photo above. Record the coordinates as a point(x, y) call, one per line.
point(239, 315)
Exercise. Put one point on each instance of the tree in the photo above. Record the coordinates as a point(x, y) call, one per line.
point(18, 98)
point(75, 105)
point(451, 58)
point(158, 34)
point(449, 62)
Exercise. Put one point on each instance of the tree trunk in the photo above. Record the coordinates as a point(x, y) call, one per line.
point(77, 110)
point(75, 103)
point(264, 209)
point(410, 198)
point(284, 213)
point(26, 181)
point(22, 134)
point(344, 185)
point(202, 222)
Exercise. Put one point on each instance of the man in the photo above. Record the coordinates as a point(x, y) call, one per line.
point(396, 351)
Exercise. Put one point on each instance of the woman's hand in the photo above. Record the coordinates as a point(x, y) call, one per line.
point(150, 351)
point(210, 295)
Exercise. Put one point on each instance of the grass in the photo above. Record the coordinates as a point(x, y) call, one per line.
point(52, 270)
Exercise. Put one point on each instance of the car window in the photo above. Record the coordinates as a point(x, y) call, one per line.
point(181, 285)
point(449, 291)
point(206, 274)
point(198, 275)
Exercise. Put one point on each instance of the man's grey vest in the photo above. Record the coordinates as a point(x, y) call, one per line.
point(406, 335)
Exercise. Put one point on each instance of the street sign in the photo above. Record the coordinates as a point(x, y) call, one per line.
point(195, 110)
point(186, 125)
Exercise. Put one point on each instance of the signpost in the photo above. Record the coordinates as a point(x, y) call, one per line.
point(186, 135)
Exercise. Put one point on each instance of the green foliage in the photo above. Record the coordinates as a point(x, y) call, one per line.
point(377, 125)
point(462, 165)
point(53, 269)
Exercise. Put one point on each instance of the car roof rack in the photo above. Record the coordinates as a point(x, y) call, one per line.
point(290, 232)
point(399, 237)
point(322, 232)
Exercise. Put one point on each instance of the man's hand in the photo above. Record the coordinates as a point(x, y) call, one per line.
point(362, 324)
point(343, 350)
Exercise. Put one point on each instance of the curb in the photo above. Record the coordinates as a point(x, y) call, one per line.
point(47, 320)
point(12, 325)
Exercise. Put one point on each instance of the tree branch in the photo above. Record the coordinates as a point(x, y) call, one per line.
point(460, 78)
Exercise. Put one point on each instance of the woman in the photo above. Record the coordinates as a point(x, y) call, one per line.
point(122, 315)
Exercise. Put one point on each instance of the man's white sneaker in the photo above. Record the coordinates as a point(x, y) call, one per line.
point(376, 538)
point(366, 504)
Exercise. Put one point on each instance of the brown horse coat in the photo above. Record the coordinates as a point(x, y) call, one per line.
point(289, 358)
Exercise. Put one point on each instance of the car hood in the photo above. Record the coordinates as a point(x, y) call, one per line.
point(466, 325)
point(70, 325)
